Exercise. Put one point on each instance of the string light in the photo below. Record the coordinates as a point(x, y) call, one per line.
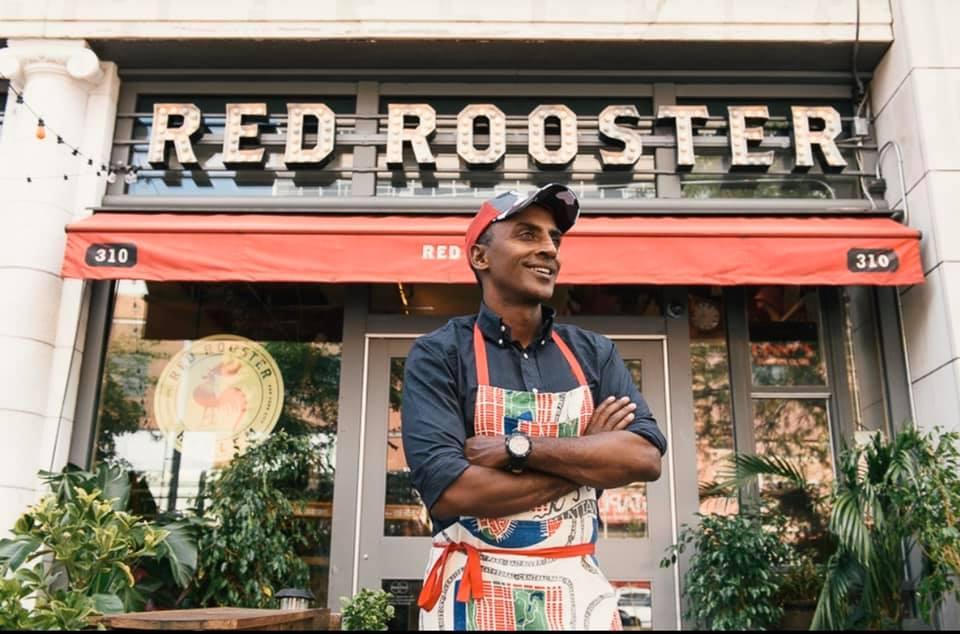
point(129, 171)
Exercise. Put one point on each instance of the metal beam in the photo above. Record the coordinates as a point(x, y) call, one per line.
point(83, 438)
point(467, 205)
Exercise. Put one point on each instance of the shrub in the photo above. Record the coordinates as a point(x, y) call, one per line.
point(250, 551)
point(367, 610)
point(732, 582)
point(75, 554)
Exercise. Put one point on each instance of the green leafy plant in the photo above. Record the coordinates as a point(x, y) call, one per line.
point(76, 553)
point(732, 582)
point(251, 548)
point(367, 610)
point(788, 494)
point(53, 609)
point(163, 580)
point(890, 496)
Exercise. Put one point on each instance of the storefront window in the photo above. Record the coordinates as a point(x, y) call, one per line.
point(451, 300)
point(713, 419)
point(634, 604)
point(624, 512)
point(864, 367)
point(796, 430)
point(404, 512)
point(785, 346)
point(195, 373)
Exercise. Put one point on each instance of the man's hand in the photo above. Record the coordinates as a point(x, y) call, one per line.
point(487, 451)
point(613, 414)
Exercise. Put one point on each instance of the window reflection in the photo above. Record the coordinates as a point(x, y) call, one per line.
point(623, 511)
point(182, 391)
point(448, 300)
point(796, 430)
point(634, 604)
point(609, 299)
point(403, 513)
point(785, 345)
point(713, 419)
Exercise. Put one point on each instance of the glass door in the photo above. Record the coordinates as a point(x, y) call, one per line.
point(395, 531)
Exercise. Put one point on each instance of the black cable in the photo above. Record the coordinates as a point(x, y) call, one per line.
point(853, 60)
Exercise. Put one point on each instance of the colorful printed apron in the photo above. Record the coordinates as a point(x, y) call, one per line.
point(533, 570)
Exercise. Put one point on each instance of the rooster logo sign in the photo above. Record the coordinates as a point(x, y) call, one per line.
point(222, 384)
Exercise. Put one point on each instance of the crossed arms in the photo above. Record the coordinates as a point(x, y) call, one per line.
point(459, 476)
point(605, 457)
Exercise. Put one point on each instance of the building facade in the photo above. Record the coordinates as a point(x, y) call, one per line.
point(225, 219)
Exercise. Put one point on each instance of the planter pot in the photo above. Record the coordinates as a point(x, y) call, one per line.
point(797, 615)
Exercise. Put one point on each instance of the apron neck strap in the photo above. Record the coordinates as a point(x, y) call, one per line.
point(480, 352)
point(571, 359)
point(483, 371)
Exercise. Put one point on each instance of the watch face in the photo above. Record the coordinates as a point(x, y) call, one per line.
point(518, 444)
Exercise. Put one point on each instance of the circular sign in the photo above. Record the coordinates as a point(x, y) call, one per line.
point(224, 384)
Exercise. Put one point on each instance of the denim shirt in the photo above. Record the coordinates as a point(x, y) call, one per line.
point(440, 389)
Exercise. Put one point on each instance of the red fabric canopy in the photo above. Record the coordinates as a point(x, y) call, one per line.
point(598, 250)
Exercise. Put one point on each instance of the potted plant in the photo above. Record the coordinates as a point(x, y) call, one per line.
point(890, 496)
point(800, 586)
point(805, 508)
point(732, 582)
point(252, 549)
point(367, 610)
point(77, 554)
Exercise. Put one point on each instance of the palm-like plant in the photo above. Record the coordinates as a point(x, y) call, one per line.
point(889, 497)
point(793, 496)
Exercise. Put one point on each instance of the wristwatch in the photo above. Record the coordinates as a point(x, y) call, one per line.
point(519, 446)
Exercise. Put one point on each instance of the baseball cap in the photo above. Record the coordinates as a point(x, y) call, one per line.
point(559, 199)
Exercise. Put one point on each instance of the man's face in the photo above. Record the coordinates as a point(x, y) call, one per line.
point(522, 257)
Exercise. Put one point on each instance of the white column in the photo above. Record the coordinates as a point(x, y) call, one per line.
point(41, 329)
point(916, 99)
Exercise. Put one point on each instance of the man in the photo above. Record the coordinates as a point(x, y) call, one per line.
point(505, 445)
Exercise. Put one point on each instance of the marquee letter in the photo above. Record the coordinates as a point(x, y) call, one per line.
point(804, 139)
point(295, 153)
point(684, 116)
point(235, 129)
point(630, 137)
point(161, 132)
point(398, 133)
point(537, 142)
point(740, 135)
point(497, 146)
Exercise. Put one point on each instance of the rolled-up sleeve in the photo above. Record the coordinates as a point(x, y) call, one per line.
point(433, 426)
point(615, 380)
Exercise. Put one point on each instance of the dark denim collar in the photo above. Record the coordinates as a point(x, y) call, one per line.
point(493, 328)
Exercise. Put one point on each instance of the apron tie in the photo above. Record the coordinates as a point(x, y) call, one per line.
point(471, 583)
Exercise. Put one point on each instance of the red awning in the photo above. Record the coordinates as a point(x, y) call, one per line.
point(599, 250)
